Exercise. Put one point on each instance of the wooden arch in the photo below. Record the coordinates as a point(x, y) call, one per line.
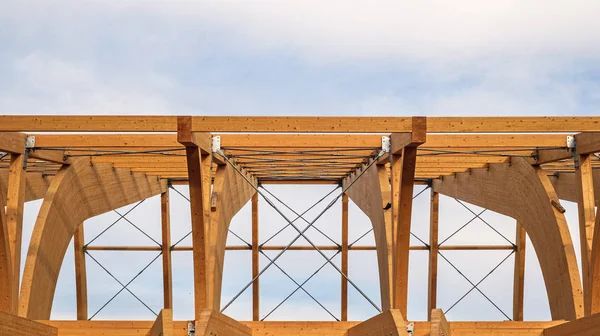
point(230, 192)
point(371, 193)
point(518, 190)
point(78, 191)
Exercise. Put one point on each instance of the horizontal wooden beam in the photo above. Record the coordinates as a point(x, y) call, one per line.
point(587, 143)
point(298, 124)
point(12, 142)
point(314, 141)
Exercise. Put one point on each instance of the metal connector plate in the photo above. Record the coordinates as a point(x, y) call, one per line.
point(216, 144)
point(386, 144)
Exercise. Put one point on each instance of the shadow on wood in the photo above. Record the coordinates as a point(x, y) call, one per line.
point(212, 322)
point(388, 323)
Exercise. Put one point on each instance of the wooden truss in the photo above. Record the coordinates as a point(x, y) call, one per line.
point(83, 166)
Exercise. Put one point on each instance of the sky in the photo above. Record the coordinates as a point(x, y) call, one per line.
point(384, 58)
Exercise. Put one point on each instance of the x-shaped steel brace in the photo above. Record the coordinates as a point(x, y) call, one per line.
point(123, 285)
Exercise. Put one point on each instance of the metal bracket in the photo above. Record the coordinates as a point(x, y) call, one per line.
point(191, 328)
point(571, 144)
point(216, 144)
point(30, 142)
point(386, 144)
point(410, 329)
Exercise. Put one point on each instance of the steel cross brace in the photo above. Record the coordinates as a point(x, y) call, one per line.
point(300, 232)
point(477, 284)
point(123, 285)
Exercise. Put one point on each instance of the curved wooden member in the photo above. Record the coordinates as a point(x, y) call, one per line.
point(78, 191)
point(565, 185)
point(230, 193)
point(371, 193)
point(518, 190)
point(36, 185)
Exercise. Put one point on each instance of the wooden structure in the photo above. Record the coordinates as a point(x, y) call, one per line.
point(83, 166)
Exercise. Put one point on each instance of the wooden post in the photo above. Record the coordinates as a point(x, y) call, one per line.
point(402, 193)
point(198, 154)
point(15, 201)
point(587, 215)
point(80, 273)
point(433, 253)
point(344, 294)
point(519, 282)
point(255, 260)
point(166, 250)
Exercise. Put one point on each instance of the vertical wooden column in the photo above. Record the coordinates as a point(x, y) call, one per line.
point(344, 294)
point(15, 201)
point(433, 253)
point(80, 273)
point(255, 260)
point(165, 212)
point(404, 159)
point(587, 215)
point(198, 154)
point(519, 281)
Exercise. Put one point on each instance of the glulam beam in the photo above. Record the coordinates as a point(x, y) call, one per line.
point(502, 188)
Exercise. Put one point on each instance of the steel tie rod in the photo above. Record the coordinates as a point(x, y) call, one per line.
point(300, 287)
point(301, 232)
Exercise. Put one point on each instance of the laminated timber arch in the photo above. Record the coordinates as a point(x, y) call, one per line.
point(371, 193)
point(79, 191)
point(230, 192)
point(518, 190)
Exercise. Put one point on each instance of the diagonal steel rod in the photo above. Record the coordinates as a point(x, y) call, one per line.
point(486, 223)
point(474, 286)
point(115, 222)
point(189, 233)
point(124, 286)
point(460, 228)
point(135, 226)
point(299, 287)
point(301, 232)
point(303, 213)
point(480, 281)
point(300, 215)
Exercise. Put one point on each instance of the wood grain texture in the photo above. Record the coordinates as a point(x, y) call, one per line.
point(402, 199)
point(79, 191)
point(212, 322)
point(36, 185)
point(165, 216)
point(388, 323)
point(519, 273)
point(80, 273)
point(432, 278)
point(15, 202)
point(163, 326)
point(595, 276)
point(439, 324)
point(12, 142)
point(587, 326)
point(199, 176)
point(367, 193)
point(12, 325)
point(344, 282)
point(586, 208)
point(501, 188)
point(255, 260)
point(233, 193)
point(296, 328)
point(566, 187)
point(297, 124)
point(6, 295)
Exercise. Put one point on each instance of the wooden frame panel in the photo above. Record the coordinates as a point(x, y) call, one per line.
point(501, 188)
point(79, 191)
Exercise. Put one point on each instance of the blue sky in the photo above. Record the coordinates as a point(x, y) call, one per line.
point(462, 57)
